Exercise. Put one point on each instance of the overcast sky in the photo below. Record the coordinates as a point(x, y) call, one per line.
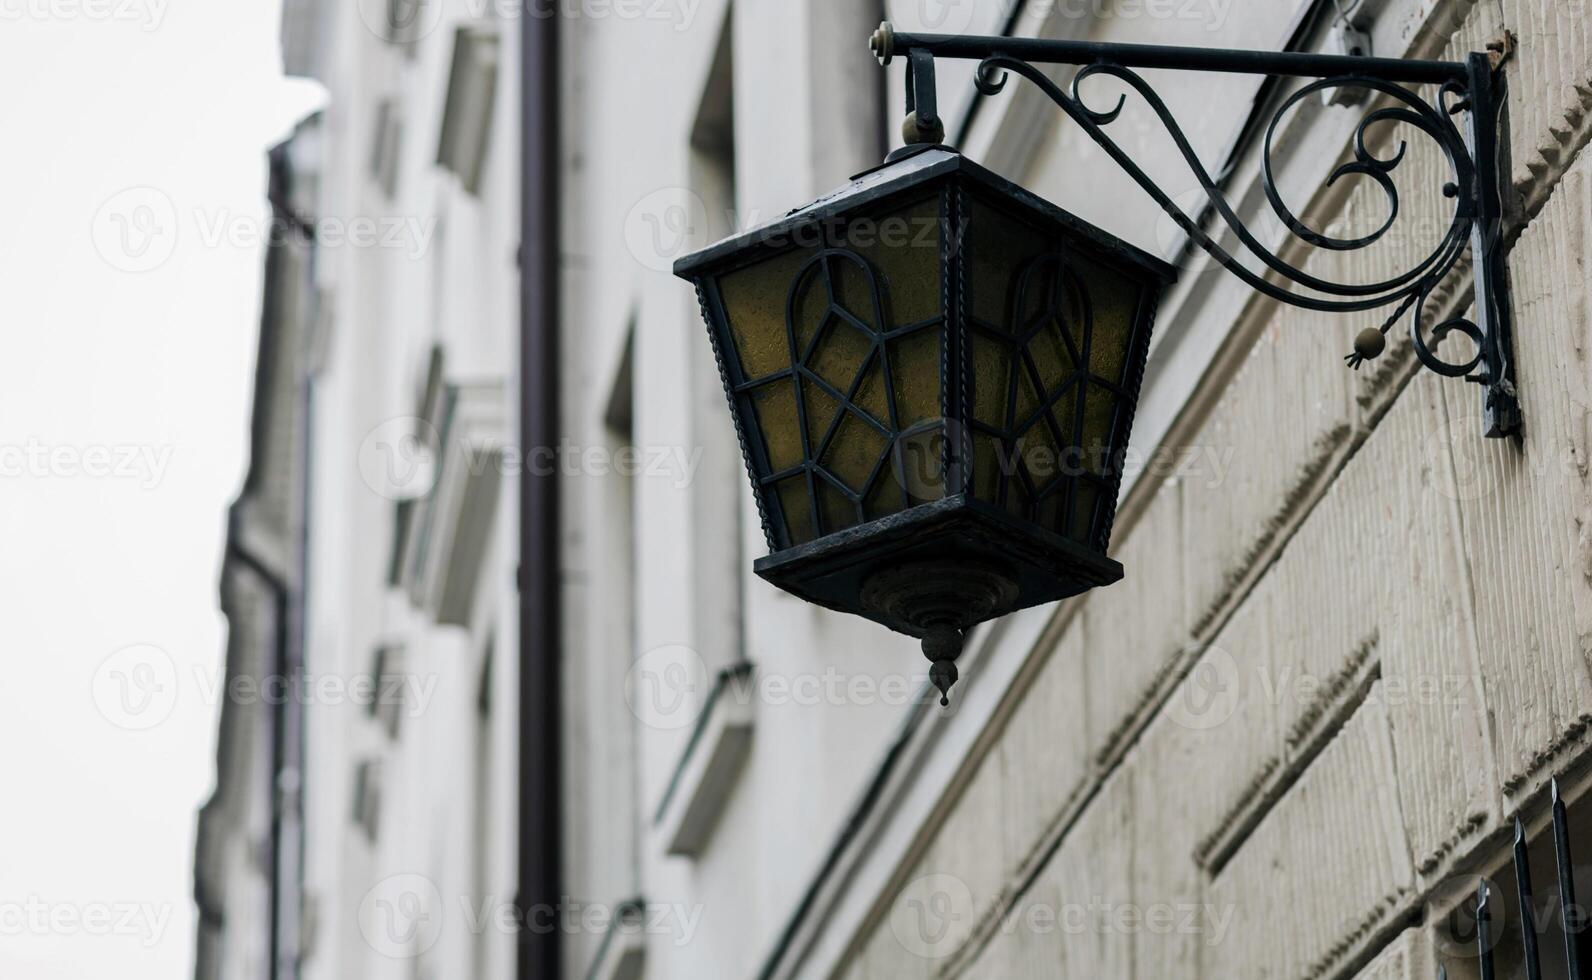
point(132, 129)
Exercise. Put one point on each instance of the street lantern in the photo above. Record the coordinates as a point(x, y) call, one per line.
point(933, 374)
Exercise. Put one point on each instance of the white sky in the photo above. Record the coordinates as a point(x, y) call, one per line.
point(143, 378)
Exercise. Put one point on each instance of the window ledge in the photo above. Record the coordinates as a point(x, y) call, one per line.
point(623, 952)
point(706, 773)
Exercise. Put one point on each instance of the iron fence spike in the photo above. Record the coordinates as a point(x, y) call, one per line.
point(1569, 912)
point(1483, 930)
point(1528, 913)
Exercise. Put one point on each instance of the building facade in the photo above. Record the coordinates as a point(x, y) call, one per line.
point(1351, 647)
point(1352, 641)
point(364, 817)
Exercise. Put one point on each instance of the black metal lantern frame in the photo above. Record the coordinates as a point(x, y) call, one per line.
point(1473, 87)
point(934, 427)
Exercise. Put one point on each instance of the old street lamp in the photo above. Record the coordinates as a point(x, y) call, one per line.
point(933, 372)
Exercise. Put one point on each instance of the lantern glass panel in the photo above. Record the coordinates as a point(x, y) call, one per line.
point(838, 337)
point(932, 373)
point(1049, 329)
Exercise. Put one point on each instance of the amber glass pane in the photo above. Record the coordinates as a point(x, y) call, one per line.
point(919, 465)
point(1043, 454)
point(1083, 508)
point(987, 462)
point(755, 299)
point(991, 368)
point(885, 497)
point(822, 409)
point(1099, 410)
point(876, 274)
point(793, 500)
point(915, 373)
point(841, 353)
point(871, 395)
point(774, 405)
point(1052, 353)
point(854, 452)
point(1029, 396)
point(996, 244)
point(857, 287)
point(1064, 411)
point(835, 509)
point(1114, 304)
point(903, 245)
point(1071, 318)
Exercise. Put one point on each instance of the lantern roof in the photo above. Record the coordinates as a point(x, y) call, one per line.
point(916, 166)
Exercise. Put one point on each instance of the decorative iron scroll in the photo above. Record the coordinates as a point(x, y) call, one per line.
point(1471, 87)
point(1409, 290)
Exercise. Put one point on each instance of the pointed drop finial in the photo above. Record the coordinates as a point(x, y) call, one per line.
point(943, 674)
point(942, 646)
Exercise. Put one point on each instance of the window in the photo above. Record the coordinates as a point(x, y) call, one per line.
point(467, 113)
point(384, 146)
point(719, 489)
point(367, 798)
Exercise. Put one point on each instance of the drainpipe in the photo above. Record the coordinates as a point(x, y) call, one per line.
point(538, 956)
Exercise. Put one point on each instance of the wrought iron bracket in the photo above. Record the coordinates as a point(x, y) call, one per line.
point(1473, 87)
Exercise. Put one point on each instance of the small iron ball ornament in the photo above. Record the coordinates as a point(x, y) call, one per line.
point(933, 375)
point(1369, 343)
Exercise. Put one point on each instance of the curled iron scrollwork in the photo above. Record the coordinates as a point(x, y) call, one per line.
point(1407, 292)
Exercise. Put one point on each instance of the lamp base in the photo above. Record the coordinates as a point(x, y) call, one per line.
point(945, 565)
point(941, 600)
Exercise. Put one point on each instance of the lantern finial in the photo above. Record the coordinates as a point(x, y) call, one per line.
point(942, 646)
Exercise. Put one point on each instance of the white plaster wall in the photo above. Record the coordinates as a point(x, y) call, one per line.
point(1074, 774)
point(449, 277)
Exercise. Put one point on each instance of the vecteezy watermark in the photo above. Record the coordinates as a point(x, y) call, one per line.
point(34, 916)
point(918, 466)
point(400, 459)
point(38, 460)
point(1218, 685)
point(1482, 468)
point(401, 916)
point(668, 686)
point(963, 16)
point(404, 915)
point(663, 226)
point(408, 234)
point(410, 692)
point(410, 21)
point(147, 14)
point(136, 687)
point(1102, 916)
point(1451, 909)
point(934, 915)
point(1210, 694)
point(137, 230)
point(668, 222)
point(675, 464)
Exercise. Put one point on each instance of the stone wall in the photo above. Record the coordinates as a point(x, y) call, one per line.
point(1334, 673)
